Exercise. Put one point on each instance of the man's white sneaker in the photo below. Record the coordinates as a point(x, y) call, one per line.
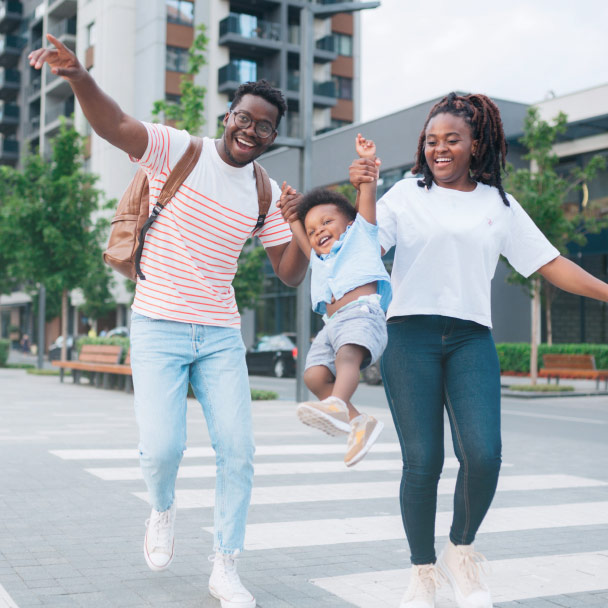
point(460, 565)
point(225, 584)
point(420, 593)
point(159, 541)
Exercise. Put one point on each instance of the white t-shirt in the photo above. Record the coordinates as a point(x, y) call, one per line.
point(191, 251)
point(447, 247)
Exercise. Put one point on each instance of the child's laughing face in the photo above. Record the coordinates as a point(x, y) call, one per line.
point(324, 225)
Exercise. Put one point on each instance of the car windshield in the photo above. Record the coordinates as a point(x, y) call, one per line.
point(279, 342)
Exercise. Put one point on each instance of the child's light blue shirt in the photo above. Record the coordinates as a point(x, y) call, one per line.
point(354, 260)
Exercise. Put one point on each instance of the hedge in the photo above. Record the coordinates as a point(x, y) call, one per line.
point(4, 348)
point(515, 356)
point(115, 341)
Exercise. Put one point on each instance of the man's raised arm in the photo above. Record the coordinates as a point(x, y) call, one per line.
point(102, 112)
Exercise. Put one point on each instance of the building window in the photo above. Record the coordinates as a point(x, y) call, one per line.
point(343, 44)
point(344, 87)
point(180, 11)
point(177, 59)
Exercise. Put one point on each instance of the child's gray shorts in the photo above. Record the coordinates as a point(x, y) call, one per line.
point(360, 322)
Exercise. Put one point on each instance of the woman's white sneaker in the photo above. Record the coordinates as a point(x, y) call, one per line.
point(460, 564)
point(159, 542)
point(422, 588)
point(225, 584)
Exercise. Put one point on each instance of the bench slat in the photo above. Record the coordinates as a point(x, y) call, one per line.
point(569, 361)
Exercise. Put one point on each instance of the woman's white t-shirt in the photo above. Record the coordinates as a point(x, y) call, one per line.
point(447, 245)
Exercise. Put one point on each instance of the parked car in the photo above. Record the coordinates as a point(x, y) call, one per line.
point(274, 355)
point(55, 348)
point(118, 332)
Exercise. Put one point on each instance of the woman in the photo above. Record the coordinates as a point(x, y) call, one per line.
point(448, 229)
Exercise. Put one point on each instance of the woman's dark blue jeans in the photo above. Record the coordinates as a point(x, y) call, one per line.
point(432, 362)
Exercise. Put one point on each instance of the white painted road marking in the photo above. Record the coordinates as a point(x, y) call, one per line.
point(271, 495)
point(554, 417)
point(509, 580)
point(319, 532)
point(6, 601)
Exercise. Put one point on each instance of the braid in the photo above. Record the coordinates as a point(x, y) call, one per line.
point(483, 117)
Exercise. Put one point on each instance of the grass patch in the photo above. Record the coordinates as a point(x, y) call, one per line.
point(258, 395)
point(541, 388)
point(21, 366)
point(48, 372)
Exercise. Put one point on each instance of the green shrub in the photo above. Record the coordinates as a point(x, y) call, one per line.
point(115, 341)
point(258, 395)
point(515, 356)
point(48, 372)
point(541, 388)
point(4, 347)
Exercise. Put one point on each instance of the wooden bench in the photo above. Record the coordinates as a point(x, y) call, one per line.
point(572, 366)
point(101, 362)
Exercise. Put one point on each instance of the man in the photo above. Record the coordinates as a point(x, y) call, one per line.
point(185, 326)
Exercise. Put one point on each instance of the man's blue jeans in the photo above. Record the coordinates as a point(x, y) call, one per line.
point(432, 362)
point(165, 357)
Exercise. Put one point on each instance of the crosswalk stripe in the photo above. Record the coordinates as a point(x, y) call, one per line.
point(204, 452)
point(266, 468)
point(6, 601)
point(270, 495)
point(509, 580)
point(280, 535)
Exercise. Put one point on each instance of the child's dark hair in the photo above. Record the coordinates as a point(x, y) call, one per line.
point(262, 88)
point(324, 196)
point(483, 117)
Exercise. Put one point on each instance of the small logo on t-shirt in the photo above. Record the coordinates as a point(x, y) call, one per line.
point(490, 221)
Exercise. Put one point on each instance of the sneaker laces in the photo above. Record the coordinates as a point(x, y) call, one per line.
point(228, 571)
point(159, 527)
point(472, 564)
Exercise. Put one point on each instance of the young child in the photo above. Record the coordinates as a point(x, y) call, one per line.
point(351, 289)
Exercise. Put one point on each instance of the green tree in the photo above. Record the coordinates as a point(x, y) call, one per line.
point(188, 112)
point(543, 192)
point(48, 210)
point(249, 279)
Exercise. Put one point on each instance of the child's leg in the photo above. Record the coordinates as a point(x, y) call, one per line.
point(320, 381)
point(348, 365)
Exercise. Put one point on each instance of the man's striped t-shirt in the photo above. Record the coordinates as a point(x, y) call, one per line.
point(191, 251)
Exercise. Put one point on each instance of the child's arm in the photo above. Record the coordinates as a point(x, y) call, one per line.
point(288, 195)
point(366, 197)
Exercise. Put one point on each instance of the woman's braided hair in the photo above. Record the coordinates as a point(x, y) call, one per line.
point(483, 117)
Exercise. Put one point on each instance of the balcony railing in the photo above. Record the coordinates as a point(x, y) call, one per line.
point(11, 13)
point(327, 43)
point(10, 80)
point(9, 117)
point(10, 49)
point(34, 87)
point(249, 27)
point(241, 71)
point(324, 89)
point(9, 150)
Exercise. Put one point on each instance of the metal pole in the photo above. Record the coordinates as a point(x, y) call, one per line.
point(41, 325)
point(306, 129)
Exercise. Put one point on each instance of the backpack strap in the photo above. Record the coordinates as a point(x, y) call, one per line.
point(262, 182)
point(176, 178)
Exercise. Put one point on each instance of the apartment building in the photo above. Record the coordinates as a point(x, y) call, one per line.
point(137, 52)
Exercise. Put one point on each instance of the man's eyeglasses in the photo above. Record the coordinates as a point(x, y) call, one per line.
point(263, 128)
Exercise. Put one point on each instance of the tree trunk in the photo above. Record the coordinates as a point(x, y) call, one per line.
point(535, 327)
point(548, 318)
point(64, 325)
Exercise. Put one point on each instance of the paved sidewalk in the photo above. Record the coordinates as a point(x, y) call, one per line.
point(73, 508)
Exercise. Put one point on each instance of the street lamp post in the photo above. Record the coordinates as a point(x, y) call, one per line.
point(307, 15)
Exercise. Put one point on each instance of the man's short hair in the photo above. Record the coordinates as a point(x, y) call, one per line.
point(262, 88)
point(325, 196)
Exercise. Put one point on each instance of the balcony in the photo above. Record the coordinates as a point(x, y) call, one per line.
point(9, 151)
point(32, 127)
point(65, 31)
point(233, 74)
point(245, 32)
point(33, 88)
point(324, 93)
point(10, 81)
point(11, 13)
point(325, 49)
point(10, 50)
point(9, 118)
point(62, 8)
point(54, 111)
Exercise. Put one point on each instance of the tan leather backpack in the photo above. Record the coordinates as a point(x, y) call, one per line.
point(133, 219)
